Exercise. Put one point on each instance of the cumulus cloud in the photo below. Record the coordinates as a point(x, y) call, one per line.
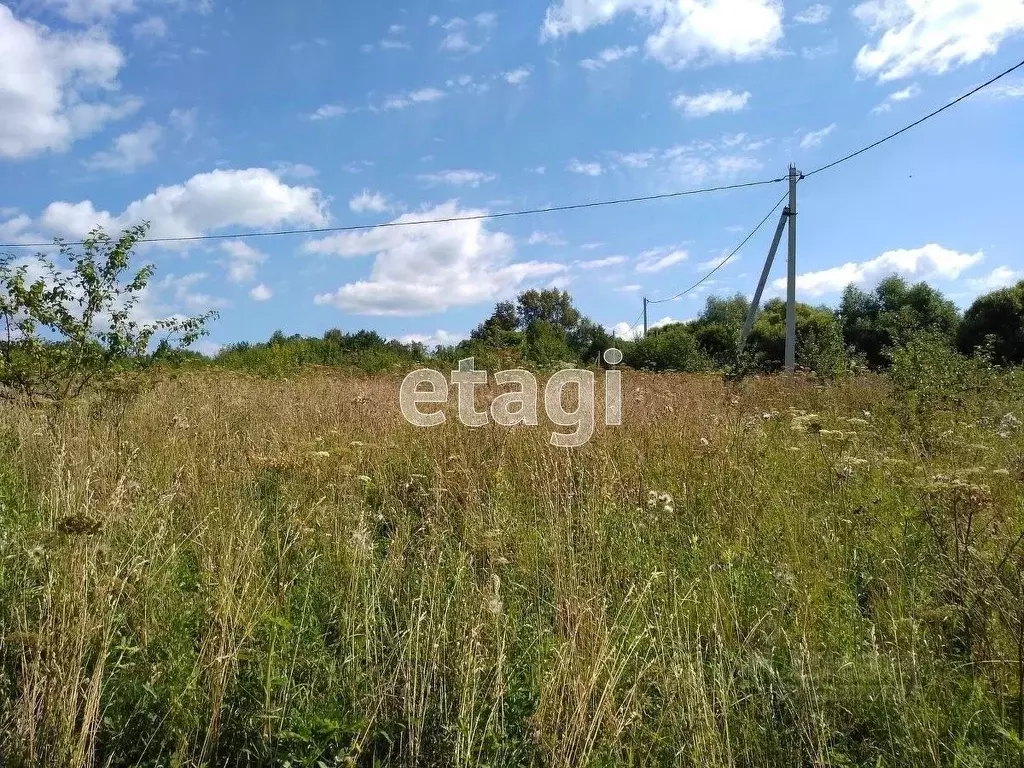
point(683, 31)
point(261, 293)
point(55, 87)
point(129, 152)
point(367, 201)
point(457, 178)
point(252, 198)
point(813, 14)
point(709, 103)
point(928, 261)
point(586, 169)
point(633, 332)
point(545, 238)
point(932, 36)
point(439, 338)
point(431, 267)
point(517, 76)
point(1000, 277)
point(243, 260)
point(814, 138)
point(153, 28)
point(609, 56)
point(327, 111)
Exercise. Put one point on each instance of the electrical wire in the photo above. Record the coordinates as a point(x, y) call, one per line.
point(448, 220)
point(724, 261)
point(916, 123)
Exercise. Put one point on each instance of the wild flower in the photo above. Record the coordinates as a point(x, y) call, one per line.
point(1008, 425)
point(808, 422)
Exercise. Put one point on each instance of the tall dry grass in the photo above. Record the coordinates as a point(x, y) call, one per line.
point(233, 571)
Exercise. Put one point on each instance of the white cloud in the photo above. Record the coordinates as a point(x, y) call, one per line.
point(926, 262)
point(545, 238)
point(587, 169)
point(813, 14)
point(369, 201)
point(184, 121)
point(252, 198)
point(910, 92)
point(1006, 90)
point(459, 31)
point(328, 111)
point(654, 261)
point(129, 152)
point(244, 259)
point(634, 332)
point(404, 100)
point(609, 56)
point(814, 138)
point(629, 288)
point(684, 31)
point(458, 178)
point(90, 11)
point(153, 28)
point(46, 82)
point(439, 338)
point(1000, 277)
point(431, 267)
point(388, 44)
point(932, 36)
point(298, 171)
point(517, 76)
point(609, 261)
point(633, 159)
point(396, 29)
point(709, 103)
point(261, 293)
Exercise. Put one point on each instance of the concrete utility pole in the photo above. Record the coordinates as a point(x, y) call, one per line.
point(748, 326)
point(794, 176)
point(645, 317)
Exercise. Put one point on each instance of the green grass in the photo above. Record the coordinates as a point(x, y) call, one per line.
point(238, 571)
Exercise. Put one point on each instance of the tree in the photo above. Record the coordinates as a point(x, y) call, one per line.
point(70, 322)
point(891, 314)
point(996, 321)
point(669, 348)
point(545, 326)
point(818, 338)
point(717, 330)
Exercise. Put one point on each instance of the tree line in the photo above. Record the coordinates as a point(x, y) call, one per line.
point(68, 322)
point(544, 328)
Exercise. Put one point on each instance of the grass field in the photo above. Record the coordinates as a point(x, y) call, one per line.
point(236, 571)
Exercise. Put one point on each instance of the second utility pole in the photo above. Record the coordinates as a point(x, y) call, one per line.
point(645, 317)
point(794, 176)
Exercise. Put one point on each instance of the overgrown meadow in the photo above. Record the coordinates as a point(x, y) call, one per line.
point(230, 570)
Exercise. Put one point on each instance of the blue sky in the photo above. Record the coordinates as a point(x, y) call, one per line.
point(213, 116)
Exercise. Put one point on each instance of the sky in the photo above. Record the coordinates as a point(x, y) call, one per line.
point(221, 116)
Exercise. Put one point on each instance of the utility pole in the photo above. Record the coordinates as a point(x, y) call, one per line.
point(794, 176)
point(645, 317)
point(748, 326)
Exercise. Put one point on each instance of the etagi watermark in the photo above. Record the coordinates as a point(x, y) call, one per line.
point(521, 405)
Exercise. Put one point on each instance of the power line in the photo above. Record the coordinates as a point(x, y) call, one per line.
point(448, 220)
point(724, 261)
point(916, 123)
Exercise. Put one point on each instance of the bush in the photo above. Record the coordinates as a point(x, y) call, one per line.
point(68, 323)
